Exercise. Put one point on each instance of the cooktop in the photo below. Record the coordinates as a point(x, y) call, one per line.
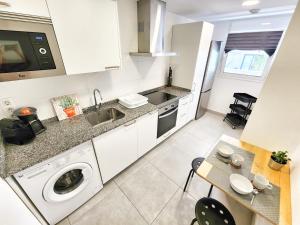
point(157, 98)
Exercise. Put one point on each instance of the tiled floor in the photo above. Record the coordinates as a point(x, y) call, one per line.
point(151, 190)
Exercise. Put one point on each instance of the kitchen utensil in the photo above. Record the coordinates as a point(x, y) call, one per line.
point(237, 160)
point(240, 184)
point(28, 116)
point(225, 150)
point(254, 192)
point(261, 182)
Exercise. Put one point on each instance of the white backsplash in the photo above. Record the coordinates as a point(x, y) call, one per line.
point(137, 73)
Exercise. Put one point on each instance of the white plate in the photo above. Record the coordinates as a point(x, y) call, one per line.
point(225, 150)
point(240, 184)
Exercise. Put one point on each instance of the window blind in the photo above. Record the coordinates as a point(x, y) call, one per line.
point(267, 41)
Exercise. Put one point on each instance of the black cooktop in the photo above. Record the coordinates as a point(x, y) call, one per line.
point(157, 98)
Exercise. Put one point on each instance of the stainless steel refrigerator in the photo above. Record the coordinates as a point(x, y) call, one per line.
point(210, 72)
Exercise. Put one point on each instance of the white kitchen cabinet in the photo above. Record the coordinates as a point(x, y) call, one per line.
point(27, 7)
point(191, 42)
point(147, 132)
point(183, 116)
point(116, 150)
point(87, 33)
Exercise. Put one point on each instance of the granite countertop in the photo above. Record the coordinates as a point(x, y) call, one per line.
point(2, 156)
point(63, 135)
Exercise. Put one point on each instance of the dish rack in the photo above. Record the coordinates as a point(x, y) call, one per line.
point(240, 112)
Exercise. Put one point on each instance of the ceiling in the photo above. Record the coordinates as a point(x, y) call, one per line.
point(199, 9)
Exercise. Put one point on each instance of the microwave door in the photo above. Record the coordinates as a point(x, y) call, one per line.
point(15, 53)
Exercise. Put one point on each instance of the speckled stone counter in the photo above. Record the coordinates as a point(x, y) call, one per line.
point(60, 136)
point(177, 91)
point(2, 157)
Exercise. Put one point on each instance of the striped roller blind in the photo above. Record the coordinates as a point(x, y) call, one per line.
point(266, 41)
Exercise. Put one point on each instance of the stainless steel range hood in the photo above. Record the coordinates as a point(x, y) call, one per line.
point(151, 29)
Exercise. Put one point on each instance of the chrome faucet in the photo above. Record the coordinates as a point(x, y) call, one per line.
point(97, 105)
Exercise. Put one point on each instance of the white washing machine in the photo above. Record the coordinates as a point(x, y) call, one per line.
point(63, 183)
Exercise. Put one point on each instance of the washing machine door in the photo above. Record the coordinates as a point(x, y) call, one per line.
point(68, 182)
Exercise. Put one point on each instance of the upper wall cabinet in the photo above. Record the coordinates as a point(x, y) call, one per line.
point(87, 33)
point(27, 7)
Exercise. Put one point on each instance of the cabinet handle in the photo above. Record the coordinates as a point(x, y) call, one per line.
point(130, 123)
point(6, 4)
point(112, 67)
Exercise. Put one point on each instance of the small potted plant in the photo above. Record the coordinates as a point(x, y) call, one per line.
point(68, 104)
point(278, 160)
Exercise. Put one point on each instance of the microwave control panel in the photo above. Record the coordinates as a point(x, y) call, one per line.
point(42, 50)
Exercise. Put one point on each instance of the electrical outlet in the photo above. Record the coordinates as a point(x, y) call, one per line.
point(7, 105)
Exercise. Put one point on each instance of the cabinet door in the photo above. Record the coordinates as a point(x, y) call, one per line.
point(87, 34)
point(183, 116)
point(147, 132)
point(116, 150)
point(28, 7)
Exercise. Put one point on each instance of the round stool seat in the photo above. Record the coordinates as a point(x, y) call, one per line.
point(196, 163)
point(211, 212)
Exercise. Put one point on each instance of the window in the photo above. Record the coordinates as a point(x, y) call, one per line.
point(246, 62)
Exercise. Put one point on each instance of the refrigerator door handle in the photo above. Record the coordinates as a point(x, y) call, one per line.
point(206, 91)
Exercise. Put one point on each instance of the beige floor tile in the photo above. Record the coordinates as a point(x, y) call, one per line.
point(114, 209)
point(192, 145)
point(197, 187)
point(175, 164)
point(84, 209)
point(122, 177)
point(64, 222)
point(179, 211)
point(158, 150)
point(149, 190)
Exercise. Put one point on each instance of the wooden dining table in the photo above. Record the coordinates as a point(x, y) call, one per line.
point(274, 205)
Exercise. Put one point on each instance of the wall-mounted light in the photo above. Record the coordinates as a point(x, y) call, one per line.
point(250, 3)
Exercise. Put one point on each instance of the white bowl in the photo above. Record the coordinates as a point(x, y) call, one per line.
point(225, 151)
point(237, 159)
point(241, 184)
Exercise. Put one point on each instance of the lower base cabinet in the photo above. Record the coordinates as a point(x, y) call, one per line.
point(184, 114)
point(120, 147)
point(147, 133)
point(116, 150)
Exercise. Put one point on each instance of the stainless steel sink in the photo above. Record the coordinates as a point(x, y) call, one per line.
point(104, 116)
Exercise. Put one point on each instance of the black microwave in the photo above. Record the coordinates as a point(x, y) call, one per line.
point(24, 51)
point(29, 53)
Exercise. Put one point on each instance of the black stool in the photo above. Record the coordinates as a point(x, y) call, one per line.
point(211, 212)
point(196, 163)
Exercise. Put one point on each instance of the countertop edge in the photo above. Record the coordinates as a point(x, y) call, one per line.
point(11, 164)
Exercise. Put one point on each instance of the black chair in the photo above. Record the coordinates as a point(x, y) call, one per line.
point(196, 163)
point(211, 212)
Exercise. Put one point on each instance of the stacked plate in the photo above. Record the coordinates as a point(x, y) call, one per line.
point(240, 184)
point(133, 101)
point(225, 151)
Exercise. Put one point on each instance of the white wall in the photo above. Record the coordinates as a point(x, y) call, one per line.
point(275, 121)
point(225, 85)
point(295, 184)
point(137, 74)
